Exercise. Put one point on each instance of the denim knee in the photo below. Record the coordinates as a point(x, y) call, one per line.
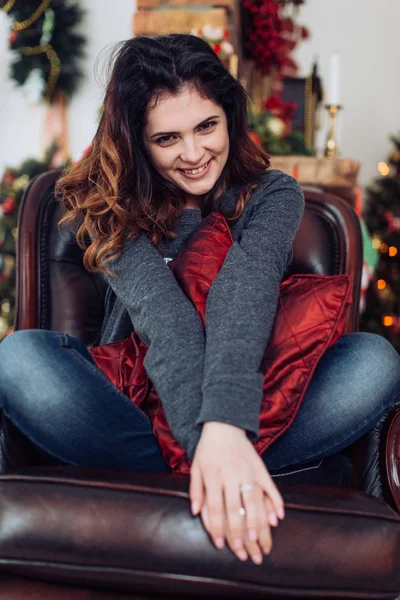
point(21, 344)
point(20, 354)
point(376, 359)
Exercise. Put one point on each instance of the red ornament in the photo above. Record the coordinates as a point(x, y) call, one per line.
point(393, 222)
point(13, 36)
point(255, 137)
point(8, 206)
point(217, 49)
point(283, 110)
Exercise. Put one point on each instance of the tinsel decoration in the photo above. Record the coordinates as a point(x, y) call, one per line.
point(46, 48)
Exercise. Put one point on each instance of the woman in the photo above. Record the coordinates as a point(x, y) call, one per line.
point(171, 147)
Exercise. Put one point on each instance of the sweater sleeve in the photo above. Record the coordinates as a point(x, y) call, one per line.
point(167, 322)
point(242, 304)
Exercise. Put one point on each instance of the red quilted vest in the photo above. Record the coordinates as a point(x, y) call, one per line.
point(311, 316)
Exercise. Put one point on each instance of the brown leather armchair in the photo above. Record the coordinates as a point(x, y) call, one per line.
point(72, 532)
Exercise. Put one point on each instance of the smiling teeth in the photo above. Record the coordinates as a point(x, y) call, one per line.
point(195, 171)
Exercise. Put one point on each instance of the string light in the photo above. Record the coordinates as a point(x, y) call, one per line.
point(383, 169)
point(393, 251)
point(376, 242)
point(387, 321)
point(383, 248)
point(381, 284)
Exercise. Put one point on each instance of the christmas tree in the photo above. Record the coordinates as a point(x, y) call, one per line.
point(12, 187)
point(382, 216)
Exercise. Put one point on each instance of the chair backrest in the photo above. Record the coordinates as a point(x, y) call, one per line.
point(54, 290)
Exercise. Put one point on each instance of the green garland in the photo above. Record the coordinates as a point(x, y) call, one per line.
point(45, 44)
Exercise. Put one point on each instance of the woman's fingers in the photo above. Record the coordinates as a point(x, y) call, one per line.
point(196, 490)
point(234, 519)
point(265, 538)
point(240, 530)
point(250, 548)
point(267, 484)
point(253, 505)
point(256, 521)
point(215, 506)
point(232, 489)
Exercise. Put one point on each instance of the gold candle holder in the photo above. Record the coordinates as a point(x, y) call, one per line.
point(331, 147)
point(234, 65)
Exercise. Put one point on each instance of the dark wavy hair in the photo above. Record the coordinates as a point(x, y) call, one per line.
point(114, 192)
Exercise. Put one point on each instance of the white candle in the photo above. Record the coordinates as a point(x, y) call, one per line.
point(334, 79)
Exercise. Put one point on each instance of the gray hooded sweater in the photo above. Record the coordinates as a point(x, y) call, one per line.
point(211, 375)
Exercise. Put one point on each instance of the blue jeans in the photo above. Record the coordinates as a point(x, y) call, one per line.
point(51, 389)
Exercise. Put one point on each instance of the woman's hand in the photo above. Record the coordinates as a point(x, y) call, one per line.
point(224, 461)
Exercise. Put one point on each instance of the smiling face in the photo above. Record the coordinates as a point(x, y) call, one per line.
point(186, 136)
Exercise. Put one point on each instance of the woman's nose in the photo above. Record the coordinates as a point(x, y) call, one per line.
point(192, 152)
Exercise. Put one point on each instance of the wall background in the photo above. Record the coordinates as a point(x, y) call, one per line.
point(363, 31)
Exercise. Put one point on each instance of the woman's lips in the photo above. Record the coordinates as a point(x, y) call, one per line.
point(197, 175)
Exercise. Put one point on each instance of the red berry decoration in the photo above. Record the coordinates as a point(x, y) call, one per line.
point(263, 33)
point(8, 206)
point(255, 137)
point(12, 37)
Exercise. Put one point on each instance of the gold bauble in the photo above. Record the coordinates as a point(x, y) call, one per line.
point(5, 307)
point(276, 126)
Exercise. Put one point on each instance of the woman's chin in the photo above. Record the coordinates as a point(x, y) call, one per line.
point(198, 188)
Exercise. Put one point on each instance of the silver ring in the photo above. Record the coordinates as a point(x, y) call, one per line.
point(242, 511)
point(247, 487)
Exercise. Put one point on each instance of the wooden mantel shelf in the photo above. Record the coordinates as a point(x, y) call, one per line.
point(309, 170)
point(337, 176)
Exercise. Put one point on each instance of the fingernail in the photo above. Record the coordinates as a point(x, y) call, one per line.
point(219, 542)
point(242, 555)
point(266, 550)
point(273, 520)
point(195, 507)
point(237, 543)
point(257, 558)
point(253, 535)
point(281, 513)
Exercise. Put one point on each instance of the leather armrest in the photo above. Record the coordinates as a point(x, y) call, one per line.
point(134, 531)
point(392, 457)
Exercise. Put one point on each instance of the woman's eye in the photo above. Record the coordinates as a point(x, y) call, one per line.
point(207, 125)
point(165, 139)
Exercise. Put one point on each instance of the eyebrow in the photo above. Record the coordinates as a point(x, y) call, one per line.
point(160, 133)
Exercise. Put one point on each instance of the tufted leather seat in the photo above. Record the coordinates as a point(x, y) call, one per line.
point(132, 534)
